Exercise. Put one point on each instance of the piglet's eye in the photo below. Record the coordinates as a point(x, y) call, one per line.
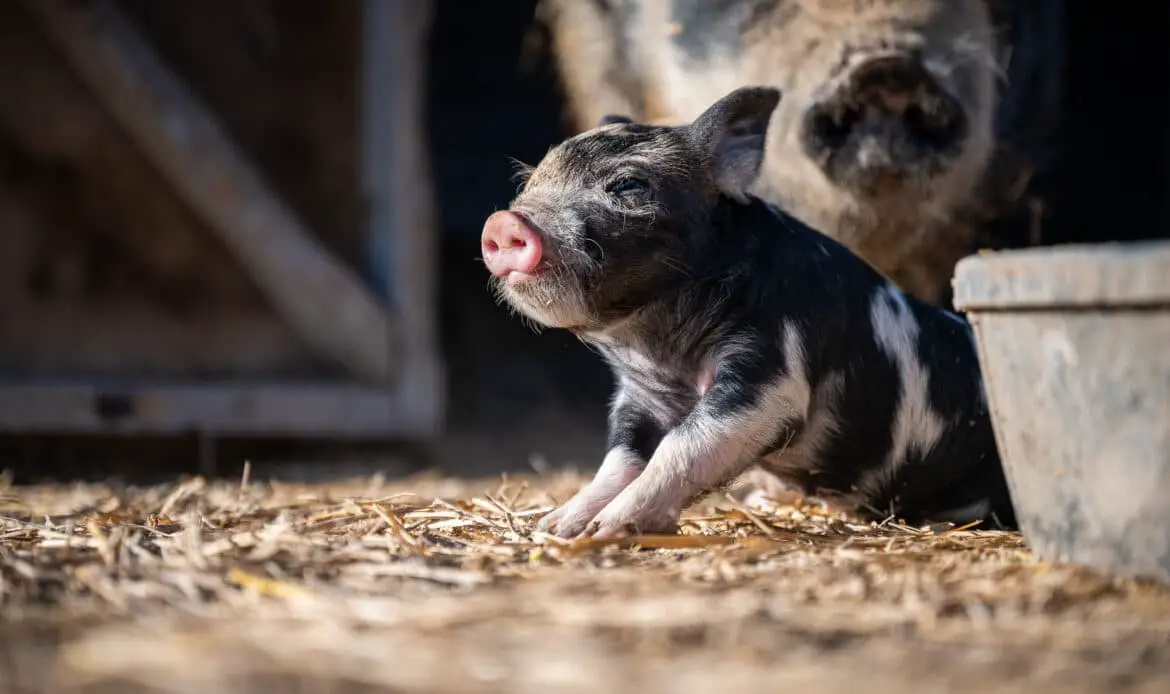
point(627, 186)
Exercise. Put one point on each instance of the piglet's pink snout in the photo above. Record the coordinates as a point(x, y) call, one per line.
point(510, 244)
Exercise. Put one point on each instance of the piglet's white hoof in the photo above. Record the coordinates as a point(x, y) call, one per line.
point(619, 521)
point(568, 521)
point(609, 532)
point(548, 523)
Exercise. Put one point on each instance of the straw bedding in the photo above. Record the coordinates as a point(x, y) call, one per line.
point(435, 585)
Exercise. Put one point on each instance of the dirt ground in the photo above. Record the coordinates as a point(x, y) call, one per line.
point(442, 585)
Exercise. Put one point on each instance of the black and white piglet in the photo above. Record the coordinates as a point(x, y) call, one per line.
point(738, 336)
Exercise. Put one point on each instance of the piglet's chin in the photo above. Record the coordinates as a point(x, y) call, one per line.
point(530, 300)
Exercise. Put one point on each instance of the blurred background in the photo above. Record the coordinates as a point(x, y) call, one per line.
point(178, 297)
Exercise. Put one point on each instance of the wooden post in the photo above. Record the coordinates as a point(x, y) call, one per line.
point(397, 187)
point(327, 304)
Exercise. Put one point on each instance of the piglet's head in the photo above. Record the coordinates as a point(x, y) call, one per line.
point(616, 217)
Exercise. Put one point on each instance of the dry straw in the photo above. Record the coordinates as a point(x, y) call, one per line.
point(433, 585)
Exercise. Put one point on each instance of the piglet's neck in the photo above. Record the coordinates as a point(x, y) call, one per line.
point(630, 331)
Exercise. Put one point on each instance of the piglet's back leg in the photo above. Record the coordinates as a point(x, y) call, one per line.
point(759, 487)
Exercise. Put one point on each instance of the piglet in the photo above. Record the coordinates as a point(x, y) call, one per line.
point(738, 336)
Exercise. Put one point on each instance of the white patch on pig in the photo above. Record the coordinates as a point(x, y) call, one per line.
point(619, 467)
point(796, 455)
point(822, 424)
point(666, 411)
point(793, 388)
point(917, 426)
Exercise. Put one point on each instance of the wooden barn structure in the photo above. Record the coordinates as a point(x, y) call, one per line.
point(187, 249)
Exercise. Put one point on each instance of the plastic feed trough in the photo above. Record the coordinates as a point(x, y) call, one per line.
point(1074, 343)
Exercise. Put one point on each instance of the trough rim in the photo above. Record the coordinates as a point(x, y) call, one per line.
point(1114, 275)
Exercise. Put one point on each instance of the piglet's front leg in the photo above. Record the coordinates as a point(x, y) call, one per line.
point(633, 433)
point(732, 425)
point(619, 469)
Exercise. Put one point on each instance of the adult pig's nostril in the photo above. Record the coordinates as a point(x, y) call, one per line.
point(832, 124)
point(936, 123)
point(510, 244)
point(889, 120)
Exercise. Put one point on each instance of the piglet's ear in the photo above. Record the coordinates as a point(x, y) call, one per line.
point(733, 131)
point(612, 118)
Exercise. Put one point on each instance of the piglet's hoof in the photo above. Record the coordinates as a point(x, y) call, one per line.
point(618, 522)
point(596, 531)
point(565, 522)
point(548, 524)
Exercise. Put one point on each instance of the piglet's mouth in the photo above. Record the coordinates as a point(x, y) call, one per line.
point(515, 278)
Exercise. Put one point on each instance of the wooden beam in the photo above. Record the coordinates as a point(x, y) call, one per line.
point(397, 187)
point(325, 303)
point(311, 410)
